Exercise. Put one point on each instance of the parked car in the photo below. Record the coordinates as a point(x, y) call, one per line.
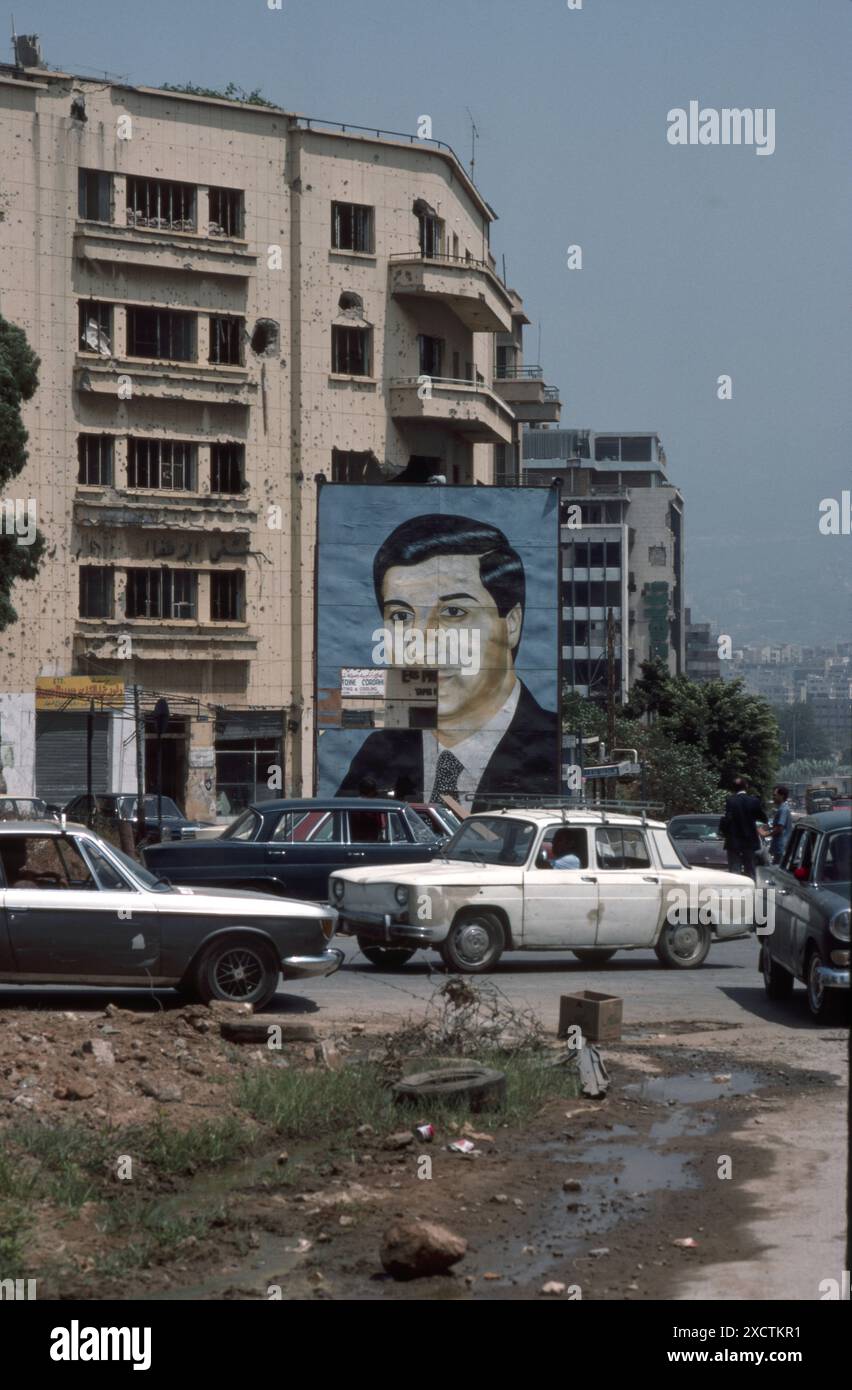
point(494, 888)
point(810, 940)
point(441, 820)
point(24, 808)
point(698, 839)
point(113, 807)
point(291, 847)
point(75, 910)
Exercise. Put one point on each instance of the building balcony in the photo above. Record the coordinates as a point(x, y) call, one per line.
point(157, 639)
point(162, 511)
point(108, 244)
point(187, 381)
point(471, 289)
point(524, 390)
point(471, 409)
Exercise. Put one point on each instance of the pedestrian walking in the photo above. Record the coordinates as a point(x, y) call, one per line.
point(744, 812)
point(781, 825)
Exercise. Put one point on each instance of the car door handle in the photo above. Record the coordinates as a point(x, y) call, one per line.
point(15, 908)
point(586, 878)
point(782, 892)
point(277, 853)
point(356, 854)
point(649, 878)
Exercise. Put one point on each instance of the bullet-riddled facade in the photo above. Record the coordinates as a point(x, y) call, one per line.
point(230, 305)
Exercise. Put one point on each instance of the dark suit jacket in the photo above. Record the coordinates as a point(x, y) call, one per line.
point(526, 760)
point(743, 813)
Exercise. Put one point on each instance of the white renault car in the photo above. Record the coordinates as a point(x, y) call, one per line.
point(501, 885)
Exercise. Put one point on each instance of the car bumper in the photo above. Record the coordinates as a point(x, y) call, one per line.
point(307, 967)
point(830, 977)
point(383, 930)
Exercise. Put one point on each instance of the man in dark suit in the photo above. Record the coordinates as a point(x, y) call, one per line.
point(743, 813)
point(445, 573)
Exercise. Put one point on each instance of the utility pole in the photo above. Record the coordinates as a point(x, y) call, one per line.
point(90, 733)
point(610, 681)
point(139, 725)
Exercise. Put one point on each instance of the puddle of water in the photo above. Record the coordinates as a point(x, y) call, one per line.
point(697, 1086)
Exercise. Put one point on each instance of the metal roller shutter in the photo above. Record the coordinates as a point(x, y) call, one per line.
point(61, 755)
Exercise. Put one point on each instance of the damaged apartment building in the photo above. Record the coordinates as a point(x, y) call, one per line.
point(231, 305)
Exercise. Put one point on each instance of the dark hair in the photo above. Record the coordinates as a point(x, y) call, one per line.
point(501, 568)
point(740, 784)
point(783, 792)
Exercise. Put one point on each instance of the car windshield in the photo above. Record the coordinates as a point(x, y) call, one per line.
point(492, 840)
point(140, 873)
point(127, 808)
point(423, 832)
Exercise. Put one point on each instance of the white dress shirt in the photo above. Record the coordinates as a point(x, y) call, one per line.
point(474, 752)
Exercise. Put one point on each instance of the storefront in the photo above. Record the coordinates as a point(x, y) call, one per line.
point(62, 724)
point(249, 750)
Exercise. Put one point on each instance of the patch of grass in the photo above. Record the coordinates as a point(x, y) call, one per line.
point(176, 1152)
point(313, 1105)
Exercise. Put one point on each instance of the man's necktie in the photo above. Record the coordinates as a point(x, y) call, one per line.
point(447, 772)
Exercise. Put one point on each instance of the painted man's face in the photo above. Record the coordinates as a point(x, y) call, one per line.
point(446, 592)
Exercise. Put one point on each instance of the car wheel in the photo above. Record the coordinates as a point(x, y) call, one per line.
point(593, 958)
point(683, 946)
point(777, 981)
point(386, 957)
point(239, 971)
point(822, 1002)
point(474, 943)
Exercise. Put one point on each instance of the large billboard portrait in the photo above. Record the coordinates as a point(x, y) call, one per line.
point(438, 642)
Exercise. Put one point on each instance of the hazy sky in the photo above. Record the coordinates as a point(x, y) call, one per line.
point(697, 260)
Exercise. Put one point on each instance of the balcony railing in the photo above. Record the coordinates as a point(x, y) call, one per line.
point(511, 373)
point(456, 262)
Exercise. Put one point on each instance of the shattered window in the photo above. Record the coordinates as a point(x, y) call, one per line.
point(161, 333)
point(161, 203)
point(94, 195)
point(95, 457)
point(227, 468)
point(95, 327)
point(350, 350)
point(227, 593)
point(96, 589)
point(161, 593)
point(352, 227)
point(226, 341)
point(162, 464)
point(226, 212)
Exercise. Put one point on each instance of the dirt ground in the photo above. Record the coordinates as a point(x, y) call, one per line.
point(646, 1167)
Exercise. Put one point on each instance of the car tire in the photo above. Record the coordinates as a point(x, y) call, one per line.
point(777, 981)
point(593, 958)
point(238, 971)
point(474, 943)
point(823, 1003)
point(476, 1087)
point(386, 957)
point(683, 946)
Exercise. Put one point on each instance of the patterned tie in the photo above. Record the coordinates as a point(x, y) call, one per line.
point(447, 771)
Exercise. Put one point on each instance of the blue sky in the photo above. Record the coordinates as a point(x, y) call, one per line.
point(697, 261)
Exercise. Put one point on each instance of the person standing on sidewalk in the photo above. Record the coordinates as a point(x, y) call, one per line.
point(744, 812)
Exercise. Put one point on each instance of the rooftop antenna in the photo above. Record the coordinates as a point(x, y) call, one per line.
point(474, 136)
point(14, 43)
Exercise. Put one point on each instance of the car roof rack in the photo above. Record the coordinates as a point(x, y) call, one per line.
point(522, 801)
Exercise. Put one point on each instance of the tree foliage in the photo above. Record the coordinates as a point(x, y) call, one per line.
point(801, 736)
point(693, 738)
point(18, 382)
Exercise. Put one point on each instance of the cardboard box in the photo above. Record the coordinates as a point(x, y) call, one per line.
point(597, 1015)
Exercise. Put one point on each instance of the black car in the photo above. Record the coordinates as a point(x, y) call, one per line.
point(698, 839)
point(112, 807)
point(810, 940)
point(291, 847)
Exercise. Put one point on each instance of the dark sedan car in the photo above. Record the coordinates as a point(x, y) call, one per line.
point(698, 839)
point(291, 847)
point(112, 807)
point(810, 940)
point(75, 910)
point(24, 808)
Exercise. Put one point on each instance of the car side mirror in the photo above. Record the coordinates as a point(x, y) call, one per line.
point(543, 861)
point(801, 874)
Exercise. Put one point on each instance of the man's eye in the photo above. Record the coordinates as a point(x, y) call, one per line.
point(398, 615)
point(451, 611)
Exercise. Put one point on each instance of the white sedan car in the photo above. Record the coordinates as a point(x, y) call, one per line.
point(536, 880)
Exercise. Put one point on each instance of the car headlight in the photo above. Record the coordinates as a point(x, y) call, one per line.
point(337, 889)
point(401, 894)
point(839, 924)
